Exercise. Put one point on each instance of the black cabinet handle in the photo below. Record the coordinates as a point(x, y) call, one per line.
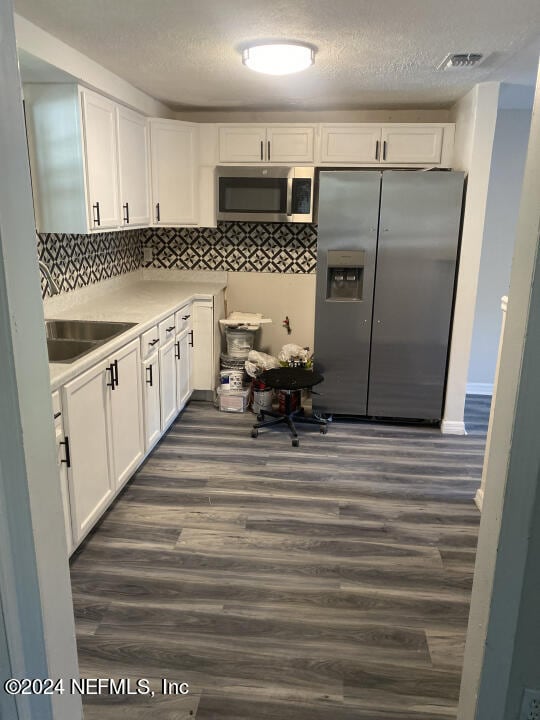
point(186, 317)
point(153, 342)
point(170, 328)
point(262, 150)
point(150, 378)
point(191, 334)
point(158, 215)
point(115, 365)
point(111, 370)
point(269, 151)
point(177, 350)
point(384, 150)
point(67, 459)
point(377, 148)
point(126, 215)
point(57, 415)
point(97, 214)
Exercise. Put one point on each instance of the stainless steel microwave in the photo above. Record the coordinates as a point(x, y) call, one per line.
point(267, 194)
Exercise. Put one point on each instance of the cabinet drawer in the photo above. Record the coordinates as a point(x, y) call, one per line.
point(150, 341)
point(167, 330)
point(183, 318)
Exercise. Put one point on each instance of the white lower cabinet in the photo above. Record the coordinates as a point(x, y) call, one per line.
point(183, 368)
point(126, 417)
point(110, 416)
point(63, 460)
point(167, 378)
point(152, 401)
point(103, 426)
point(86, 425)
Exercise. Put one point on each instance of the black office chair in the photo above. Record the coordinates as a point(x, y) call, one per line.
point(290, 381)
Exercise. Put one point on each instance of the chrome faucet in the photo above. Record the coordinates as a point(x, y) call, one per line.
point(53, 287)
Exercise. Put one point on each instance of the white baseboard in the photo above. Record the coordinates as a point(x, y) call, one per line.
point(479, 498)
point(453, 427)
point(479, 388)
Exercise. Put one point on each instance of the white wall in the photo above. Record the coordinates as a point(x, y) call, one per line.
point(475, 116)
point(44, 46)
point(503, 639)
point(505, 183)
point(276, 295)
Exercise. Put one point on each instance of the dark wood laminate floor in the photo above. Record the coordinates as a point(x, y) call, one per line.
point(326, 581)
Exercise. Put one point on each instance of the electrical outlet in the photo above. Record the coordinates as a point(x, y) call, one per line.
point(530, 707)
point(148, 254)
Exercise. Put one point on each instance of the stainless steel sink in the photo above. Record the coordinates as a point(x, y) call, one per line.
point(94, 330)
point(66, 351)
point(69, 340)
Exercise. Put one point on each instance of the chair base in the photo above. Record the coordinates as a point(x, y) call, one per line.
point(289, 419)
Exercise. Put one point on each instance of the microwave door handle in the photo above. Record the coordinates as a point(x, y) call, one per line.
point(289, 194)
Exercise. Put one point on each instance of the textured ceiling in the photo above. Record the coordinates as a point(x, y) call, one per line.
point(371, 53)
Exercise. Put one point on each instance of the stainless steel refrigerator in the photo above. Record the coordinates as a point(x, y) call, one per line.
point(386, 267)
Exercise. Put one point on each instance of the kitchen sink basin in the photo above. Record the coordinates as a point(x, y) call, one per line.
point(93, 330)
point(69, 340)
point(66, 351)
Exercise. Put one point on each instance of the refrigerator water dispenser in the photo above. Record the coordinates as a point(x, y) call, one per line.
point(345, 274)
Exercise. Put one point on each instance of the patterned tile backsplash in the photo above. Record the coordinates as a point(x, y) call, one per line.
point(76, 261)
point(79, 260)
point(255, 247)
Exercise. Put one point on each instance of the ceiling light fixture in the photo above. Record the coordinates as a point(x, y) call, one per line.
point(278, 58)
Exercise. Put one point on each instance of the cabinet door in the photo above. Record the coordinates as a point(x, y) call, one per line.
point(175, 177)
point(167, 381)
point(242, 144)
point(183, 368)
point(85, 411)
point(350, 143)
point(411, 144)
point(99, 121)
point(126, 429)
point(289, 144)
point(64, 488)
point(203, 345)
point(152, 403)
point(133, 167)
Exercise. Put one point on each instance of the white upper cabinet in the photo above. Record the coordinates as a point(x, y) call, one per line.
point(175, 178)
point(242, 144)
point(269, 144)
point(396, 144)
point(133, 167)
point(402, 144)
point(89, 157)
point(99, 121)
point(350, 143)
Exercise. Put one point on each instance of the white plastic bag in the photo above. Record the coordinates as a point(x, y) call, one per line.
point(258, 362)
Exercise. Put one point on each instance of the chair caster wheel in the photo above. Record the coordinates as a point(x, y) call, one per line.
point(295, 442)
point(254, 433)
point(323, 430)
point(260, 417)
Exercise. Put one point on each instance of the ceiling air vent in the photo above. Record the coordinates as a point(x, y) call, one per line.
point(458, 61)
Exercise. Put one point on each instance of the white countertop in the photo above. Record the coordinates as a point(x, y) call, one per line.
point(145, 302)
